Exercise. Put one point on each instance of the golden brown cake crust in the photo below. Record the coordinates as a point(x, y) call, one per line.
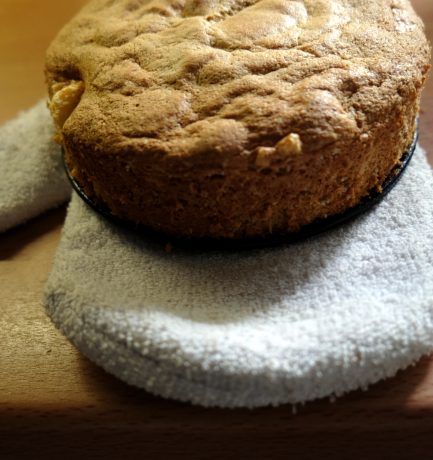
point(236, 118)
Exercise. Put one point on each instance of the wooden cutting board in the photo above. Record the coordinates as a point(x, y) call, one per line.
point(54, 403)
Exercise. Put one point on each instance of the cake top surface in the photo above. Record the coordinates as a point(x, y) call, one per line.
point(182, 77)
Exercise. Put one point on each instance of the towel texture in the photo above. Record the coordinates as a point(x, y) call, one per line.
point(31, 172)
point(287, 324)
point(270, 326)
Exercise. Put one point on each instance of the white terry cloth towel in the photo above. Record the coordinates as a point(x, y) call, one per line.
point(263, 327)
point(31, 172)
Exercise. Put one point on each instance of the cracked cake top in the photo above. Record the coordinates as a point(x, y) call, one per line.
point(183, 77)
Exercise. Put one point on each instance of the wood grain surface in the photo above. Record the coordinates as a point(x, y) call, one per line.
point(54, 403)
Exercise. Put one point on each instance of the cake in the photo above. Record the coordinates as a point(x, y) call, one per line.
point(235, 118)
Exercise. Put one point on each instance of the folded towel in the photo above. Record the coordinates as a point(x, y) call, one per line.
point(31, 172)
point(280, 325)
point(285, 324)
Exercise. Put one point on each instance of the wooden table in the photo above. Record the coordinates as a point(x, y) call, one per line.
point(55, 403)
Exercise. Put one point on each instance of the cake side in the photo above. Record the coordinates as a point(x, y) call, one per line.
point(239, 119)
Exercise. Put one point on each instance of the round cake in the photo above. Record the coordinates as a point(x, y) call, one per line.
point(235, 118)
